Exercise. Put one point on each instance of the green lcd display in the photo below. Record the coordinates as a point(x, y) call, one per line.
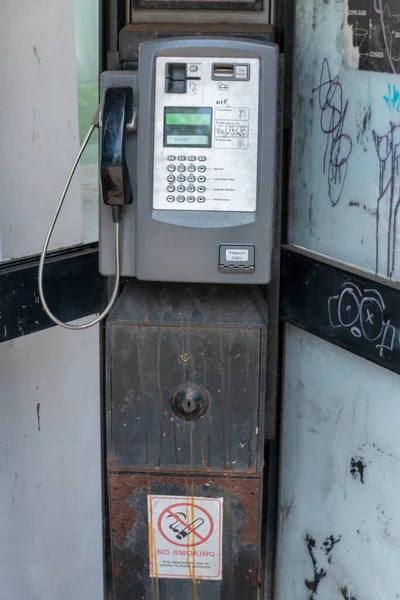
point(187, 119)
point(187, 126)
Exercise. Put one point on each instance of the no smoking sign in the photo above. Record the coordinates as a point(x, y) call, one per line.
point(185, 537)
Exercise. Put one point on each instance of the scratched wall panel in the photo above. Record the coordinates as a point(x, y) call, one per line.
point(340, 478)
point(50, 471)
point(346, 184)
point(39, 125)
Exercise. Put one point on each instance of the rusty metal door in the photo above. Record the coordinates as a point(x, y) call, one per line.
point(186, 413)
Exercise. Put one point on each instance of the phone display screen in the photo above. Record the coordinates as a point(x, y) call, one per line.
point(189, 126)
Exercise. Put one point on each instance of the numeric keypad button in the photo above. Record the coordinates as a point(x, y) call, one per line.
point(181, 198)
point(171, 178)
point(171, 188)
point(181, 168)
point(190, 198)
point(191, 168)
point(191, 178)
point(170, 198)
point(171, 168)
point(191, 188)
point(181, 188)
point(181, 178)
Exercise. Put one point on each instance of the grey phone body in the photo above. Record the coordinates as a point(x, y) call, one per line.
point(224, 235)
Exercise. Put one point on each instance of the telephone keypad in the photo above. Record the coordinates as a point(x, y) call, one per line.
point(191, 179)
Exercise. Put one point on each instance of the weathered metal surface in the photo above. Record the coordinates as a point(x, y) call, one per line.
point(130, 542)
point(134, 34)
point(149, 362)
point(146, 369)
point(202, 348)
point(73, 287)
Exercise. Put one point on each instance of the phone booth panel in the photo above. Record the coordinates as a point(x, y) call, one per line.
point(185, 439)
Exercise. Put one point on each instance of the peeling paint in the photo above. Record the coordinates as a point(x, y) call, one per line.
point(321, 559)
point(346, 594)
point(357, 468)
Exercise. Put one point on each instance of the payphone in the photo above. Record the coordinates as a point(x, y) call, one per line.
point(203, 166)
point(187, 171)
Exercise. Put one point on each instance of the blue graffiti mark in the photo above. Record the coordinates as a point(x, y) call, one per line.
point(393, 98)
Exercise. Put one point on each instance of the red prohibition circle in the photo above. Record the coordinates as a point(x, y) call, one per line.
point(169, 510)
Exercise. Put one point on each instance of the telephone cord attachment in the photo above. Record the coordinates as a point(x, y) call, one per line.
point(116, 218)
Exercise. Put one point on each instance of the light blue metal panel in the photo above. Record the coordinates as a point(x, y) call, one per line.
point(346, 181)
point(340, 476)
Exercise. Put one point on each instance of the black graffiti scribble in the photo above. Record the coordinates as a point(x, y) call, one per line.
point(319, 572)
point(388, 150)
point(338, 144)
point(346, 594)
point(363, 313)
point(357, 468)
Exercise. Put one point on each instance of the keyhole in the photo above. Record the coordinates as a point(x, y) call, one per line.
point(189, 405)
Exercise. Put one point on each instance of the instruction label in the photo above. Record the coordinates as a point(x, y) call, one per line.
point(185, 537)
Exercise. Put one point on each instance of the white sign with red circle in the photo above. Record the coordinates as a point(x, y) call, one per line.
point(185, 537)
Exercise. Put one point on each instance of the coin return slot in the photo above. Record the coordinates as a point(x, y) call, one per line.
point(222, 71)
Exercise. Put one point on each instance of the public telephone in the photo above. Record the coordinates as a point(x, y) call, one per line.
point(202, 168)
point(187, 172)
point(188, 163)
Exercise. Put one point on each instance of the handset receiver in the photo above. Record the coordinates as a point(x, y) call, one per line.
point(117, 115)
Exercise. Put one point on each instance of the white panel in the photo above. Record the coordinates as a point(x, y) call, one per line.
point(336, 169)
point(39, 124)
point(340, 475)
point(223, 164)
point(50, 473)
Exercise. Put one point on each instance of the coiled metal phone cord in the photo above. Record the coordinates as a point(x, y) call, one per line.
point(94, 124)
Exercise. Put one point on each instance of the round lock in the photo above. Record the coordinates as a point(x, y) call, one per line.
point(189, 402)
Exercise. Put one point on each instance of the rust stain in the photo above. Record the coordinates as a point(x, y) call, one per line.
point(248, 491)
point(153, 551)
point(124, 517)
point(245, 491)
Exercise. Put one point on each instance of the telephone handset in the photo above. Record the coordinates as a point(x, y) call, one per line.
point(187, 164)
